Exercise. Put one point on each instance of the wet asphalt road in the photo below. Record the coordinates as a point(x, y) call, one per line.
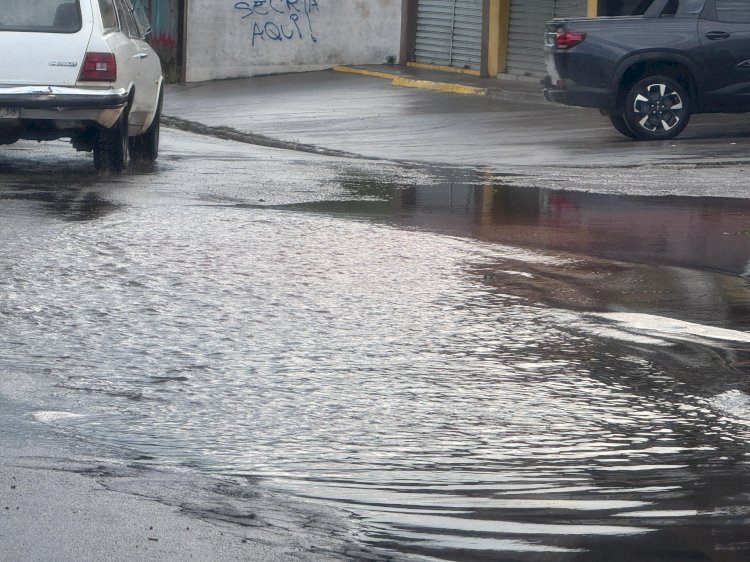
point(474, 366)
point(574, 148)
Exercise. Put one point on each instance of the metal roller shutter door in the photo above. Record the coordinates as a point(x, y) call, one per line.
point(449, 33)
point(526, 33)
point(467, 34)
point(570, 9)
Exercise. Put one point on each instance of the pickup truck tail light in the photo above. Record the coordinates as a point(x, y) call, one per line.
point(569, 39)
point(99, 67)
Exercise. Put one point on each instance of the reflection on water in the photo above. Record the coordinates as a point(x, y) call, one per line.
point(411, 377)
point(687, 258)
point(688, 232)
point(679, 257)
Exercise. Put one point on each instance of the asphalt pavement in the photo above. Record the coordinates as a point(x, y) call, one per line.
point(65, 496)
point(64, 499)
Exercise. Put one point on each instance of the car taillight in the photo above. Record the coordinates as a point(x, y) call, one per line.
point(99, 67)
point(569, 39)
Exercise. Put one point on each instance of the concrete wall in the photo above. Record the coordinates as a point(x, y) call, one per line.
point(228, 39)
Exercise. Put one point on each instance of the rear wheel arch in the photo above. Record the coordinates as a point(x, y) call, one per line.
point(145, 146)
point(159, 102)
point(131, 98)
point(678, 68)
point(111, 146)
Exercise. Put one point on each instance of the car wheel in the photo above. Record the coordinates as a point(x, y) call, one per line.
point(619, 123)
point(145, 147)
point(657, 108)
point(111, 146)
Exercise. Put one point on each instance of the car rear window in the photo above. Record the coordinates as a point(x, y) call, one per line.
point(109, 15)
point(46, 16)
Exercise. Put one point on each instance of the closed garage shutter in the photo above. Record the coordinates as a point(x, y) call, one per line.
point(526, 33)
point(449, 33)
point(570, 9)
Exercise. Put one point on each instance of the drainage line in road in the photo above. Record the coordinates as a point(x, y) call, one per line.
point(228, 133)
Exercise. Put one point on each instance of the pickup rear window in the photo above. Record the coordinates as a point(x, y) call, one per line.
point(676, 7)
point(732, 11)
point(668, 8)
point(44, 16)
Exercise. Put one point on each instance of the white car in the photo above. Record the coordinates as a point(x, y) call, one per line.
point(81, 69)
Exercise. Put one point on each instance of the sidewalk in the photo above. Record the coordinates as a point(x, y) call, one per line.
point(362, 111)
point(399, 113)
point(65, 499)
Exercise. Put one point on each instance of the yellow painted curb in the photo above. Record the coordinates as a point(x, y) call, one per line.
point(439, 86)
point(441, 68)
point(412, 83)
point(364, 72)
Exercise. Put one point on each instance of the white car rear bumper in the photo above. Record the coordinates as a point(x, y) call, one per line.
point(59, 103)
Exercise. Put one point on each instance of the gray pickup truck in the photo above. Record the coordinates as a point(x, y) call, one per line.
point(649, 72)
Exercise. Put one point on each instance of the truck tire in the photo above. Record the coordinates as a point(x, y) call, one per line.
point(618, 122)
point(111, 146)
point(656, 108)
point(145, 147)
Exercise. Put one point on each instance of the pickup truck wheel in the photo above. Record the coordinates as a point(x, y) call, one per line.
point(657, 108)
point(111, 146)
point(619, 123)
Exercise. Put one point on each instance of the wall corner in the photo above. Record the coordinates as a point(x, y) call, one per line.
point(408, 31)
point(499, 29)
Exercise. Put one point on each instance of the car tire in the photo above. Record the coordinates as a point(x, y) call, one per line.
point(619, 123)
point(111, 146)
point(657, 108)
point(145, 147)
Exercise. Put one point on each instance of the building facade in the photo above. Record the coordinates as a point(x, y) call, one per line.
point(489, 37)
point(167, 37)
point(200, 40)
point(229, 38)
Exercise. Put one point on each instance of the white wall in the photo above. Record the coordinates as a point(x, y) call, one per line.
point(229, 39)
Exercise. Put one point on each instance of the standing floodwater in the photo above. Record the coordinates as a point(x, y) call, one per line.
point(417, 364)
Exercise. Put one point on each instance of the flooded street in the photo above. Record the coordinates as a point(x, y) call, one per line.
point(473, 368)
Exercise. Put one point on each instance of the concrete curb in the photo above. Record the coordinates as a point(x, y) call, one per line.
point(404, 82)
point(439, 86)
point(453, 87)
point(229, 133)
point(364, 72)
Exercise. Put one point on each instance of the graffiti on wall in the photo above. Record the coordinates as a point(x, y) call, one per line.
point(166, 33)
point(164, 23)
point(279, 20)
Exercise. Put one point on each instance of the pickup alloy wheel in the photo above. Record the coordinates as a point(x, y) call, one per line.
point(657, 108)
